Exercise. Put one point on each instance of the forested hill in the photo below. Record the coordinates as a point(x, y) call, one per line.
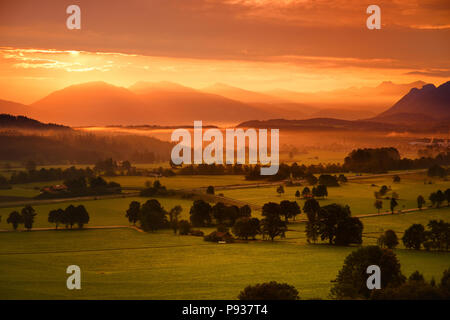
point(21, 122)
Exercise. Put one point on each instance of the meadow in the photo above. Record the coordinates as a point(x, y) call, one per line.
point(108, 212)
point(358, 193)
point(126, 264)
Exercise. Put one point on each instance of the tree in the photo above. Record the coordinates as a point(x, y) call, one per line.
point(311, 179)
point(351, 280)
point(306, 192)
point(445, 283)
point(289, 209)
point(82, 216)
point(184, 227)
point(416, 288)
point(210, 190)
point(245, 211)
point(447, 196)
point(271, 223)
point(420, 202)
point(320, 191)
point(133, 212)
point(414, 236)
point(328, 180)
point(383, 190)
point(246, 227)
point(28, 214)
point(15, 219)
point(173, 217)
point(280, 190)
point(269, 291)
point(311, 208)
point(70, 216)
point(433, 198)
point(336, 227)
point(349, 230)
point(388, 239)
point(393, 204)
point(152, 215)
point(200, 213)
point(438, 234)
point(378, 205)
point(440, 197)
point(56, 217)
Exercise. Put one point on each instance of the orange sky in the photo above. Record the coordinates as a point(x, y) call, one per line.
point(300, 45)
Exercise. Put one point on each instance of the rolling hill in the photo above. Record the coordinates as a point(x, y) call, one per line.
point(8, 121)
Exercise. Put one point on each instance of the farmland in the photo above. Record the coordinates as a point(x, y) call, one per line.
point(123, 263)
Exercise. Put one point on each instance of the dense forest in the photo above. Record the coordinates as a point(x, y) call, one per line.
point(76, 147)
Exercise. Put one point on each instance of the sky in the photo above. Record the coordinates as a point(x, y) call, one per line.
point(300, 45)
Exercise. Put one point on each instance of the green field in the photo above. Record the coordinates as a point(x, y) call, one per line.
point(358, 194)
point(126, 264)
point(182, 182)
point(102, 212)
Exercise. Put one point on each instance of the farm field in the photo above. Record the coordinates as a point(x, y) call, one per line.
point(182, 182)
point(126, 264)
point(24, 191)
point(358, 194)
point(102, 212)
point(374, 226)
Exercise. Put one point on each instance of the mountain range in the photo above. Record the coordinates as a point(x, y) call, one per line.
point(166, 103)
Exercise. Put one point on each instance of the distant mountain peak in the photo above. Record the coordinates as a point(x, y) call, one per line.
point(430, 100)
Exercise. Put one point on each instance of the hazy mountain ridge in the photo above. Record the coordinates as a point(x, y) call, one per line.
point(431, 101)
point(167, 103)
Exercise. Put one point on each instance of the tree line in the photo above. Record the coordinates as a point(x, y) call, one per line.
point(69, 217)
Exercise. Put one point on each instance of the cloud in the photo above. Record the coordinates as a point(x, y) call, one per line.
point(431, 73)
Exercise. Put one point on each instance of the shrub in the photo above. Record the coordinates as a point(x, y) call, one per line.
point(269, 291)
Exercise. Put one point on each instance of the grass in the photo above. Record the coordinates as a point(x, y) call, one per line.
point(165, 266)
point(102, 212)
point(182, 182)
point(126, 264)
point(358, 194)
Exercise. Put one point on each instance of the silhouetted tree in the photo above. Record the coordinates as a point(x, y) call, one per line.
point(200, 213)
point(420, 202)
point(28, 214)
point(378, 205)
point(414, 236)
point(173, 217)
point(351, 280)
point(152, 215)
point(15, 219)
point(246, 227)
point(393, 204)
point(269, 291)
point(133, 212)
point(271, 224)
point(56, 217)
point(388, 239)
